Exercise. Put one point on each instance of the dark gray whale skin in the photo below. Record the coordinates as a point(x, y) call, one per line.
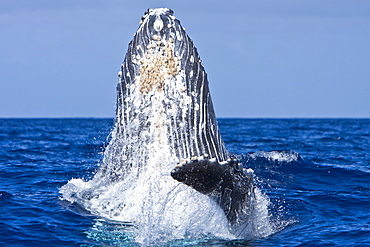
point(193, 134)
point(229, 184)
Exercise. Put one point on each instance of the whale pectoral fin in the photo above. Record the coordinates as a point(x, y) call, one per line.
point(228, 183)
point(205, 176)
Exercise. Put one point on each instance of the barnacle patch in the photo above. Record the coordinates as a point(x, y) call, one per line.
point(158, 64)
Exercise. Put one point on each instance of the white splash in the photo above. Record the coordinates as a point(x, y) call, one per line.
point(161, 208)
point(279, 156)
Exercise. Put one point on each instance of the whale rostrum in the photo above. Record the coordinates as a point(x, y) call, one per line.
point(165, 117)
point(161, 57)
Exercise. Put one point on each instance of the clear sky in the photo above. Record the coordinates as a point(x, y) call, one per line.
point(264, 58)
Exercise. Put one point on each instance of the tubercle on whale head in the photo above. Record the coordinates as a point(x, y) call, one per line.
point(160, 24)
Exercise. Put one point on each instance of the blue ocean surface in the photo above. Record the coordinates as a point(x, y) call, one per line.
point(315, 173)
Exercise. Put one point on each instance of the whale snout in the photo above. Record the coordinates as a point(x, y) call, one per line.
point(160, 25)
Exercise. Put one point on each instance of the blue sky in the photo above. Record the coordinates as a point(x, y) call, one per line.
point(265, 58)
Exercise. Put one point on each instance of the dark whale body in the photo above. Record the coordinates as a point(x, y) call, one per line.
point(164, 101)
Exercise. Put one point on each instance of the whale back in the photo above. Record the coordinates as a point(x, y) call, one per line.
point(164, 111)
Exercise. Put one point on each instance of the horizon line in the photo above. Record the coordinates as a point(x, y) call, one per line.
point(4, 118)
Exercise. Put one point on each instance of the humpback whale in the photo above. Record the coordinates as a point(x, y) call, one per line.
point(164, 114)
point(166, 169)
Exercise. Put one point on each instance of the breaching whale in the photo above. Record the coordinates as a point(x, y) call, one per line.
point(166, 169)
point(166, 174)
point(164, 103)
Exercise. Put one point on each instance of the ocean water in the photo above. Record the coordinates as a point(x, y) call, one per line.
point(314, 174)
